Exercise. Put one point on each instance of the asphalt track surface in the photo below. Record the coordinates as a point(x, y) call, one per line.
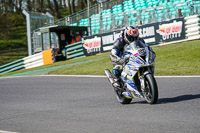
point(51, 104)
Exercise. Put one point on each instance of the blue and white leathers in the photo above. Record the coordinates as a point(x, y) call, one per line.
point(139, 56)
point(117, 53)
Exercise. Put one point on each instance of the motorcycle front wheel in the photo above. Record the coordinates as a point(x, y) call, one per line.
point(151, 89)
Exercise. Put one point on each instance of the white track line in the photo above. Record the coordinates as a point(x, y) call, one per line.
point(184, 76)
point(102, 76)
point(1, 131)
point(97, 76)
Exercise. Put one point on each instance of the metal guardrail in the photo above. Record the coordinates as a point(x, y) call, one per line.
point(192, 25)
point(74, 50)
point(12, 66)
point(42, 58)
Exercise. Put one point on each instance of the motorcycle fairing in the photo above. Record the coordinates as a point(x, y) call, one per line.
point(137, 59)
point(128, 74)
point(150, 56)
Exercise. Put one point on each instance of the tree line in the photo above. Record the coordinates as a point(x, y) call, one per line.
point(11, 11)
point(55, 7)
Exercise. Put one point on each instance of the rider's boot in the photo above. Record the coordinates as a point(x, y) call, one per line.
point(116, 83)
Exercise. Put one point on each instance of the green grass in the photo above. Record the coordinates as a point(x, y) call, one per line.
point(14, 48)
point(17, 39)
point(83, 68)
point(174, 59)
point(91, 68)
point(10, 55)
point(178, 59)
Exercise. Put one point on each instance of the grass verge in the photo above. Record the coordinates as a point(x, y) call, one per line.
point(178, 59)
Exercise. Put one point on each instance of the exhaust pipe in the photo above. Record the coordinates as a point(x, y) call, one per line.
point(109, 75)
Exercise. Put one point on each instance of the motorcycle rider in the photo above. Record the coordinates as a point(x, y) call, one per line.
point(129, 35)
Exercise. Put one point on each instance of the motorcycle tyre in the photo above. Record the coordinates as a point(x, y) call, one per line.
point(121, 98)
point(149, 78)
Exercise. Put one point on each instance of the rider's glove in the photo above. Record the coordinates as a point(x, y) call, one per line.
point(121, 60)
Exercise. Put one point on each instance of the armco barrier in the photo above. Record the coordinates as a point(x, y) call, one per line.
point(33, 61)
point(12, 66)
point(74, 50)
point(192, 25)
point(47, 57)
point(39, 59)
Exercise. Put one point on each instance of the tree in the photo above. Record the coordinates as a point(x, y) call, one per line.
point(54, 8)
point(69, 6)
point(73, 6)
point(83, 4)
point(18, 6)
point(6, 23)
point(40, 6)
point(65, 4)
point(57, 13)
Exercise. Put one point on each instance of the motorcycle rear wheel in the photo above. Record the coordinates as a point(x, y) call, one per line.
point(151, 93)
point(120, 97)
point(118, 93)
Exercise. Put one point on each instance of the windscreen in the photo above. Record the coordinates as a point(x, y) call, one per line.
point(137, 44)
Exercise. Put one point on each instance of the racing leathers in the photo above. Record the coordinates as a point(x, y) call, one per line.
point(116, 58)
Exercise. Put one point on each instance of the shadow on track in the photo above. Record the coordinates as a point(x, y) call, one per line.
point(171, 100)
point(178, 99)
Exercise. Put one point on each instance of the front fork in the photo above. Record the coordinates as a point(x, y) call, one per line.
point(130, 87)
point(142, 78)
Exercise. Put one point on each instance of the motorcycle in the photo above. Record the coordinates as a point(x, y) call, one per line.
point(137, 77)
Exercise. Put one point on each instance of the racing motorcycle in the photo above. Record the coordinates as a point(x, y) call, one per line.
point(137, 77)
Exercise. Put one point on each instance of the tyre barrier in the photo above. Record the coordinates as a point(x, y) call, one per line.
point(192, 26)
point(39, 59)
